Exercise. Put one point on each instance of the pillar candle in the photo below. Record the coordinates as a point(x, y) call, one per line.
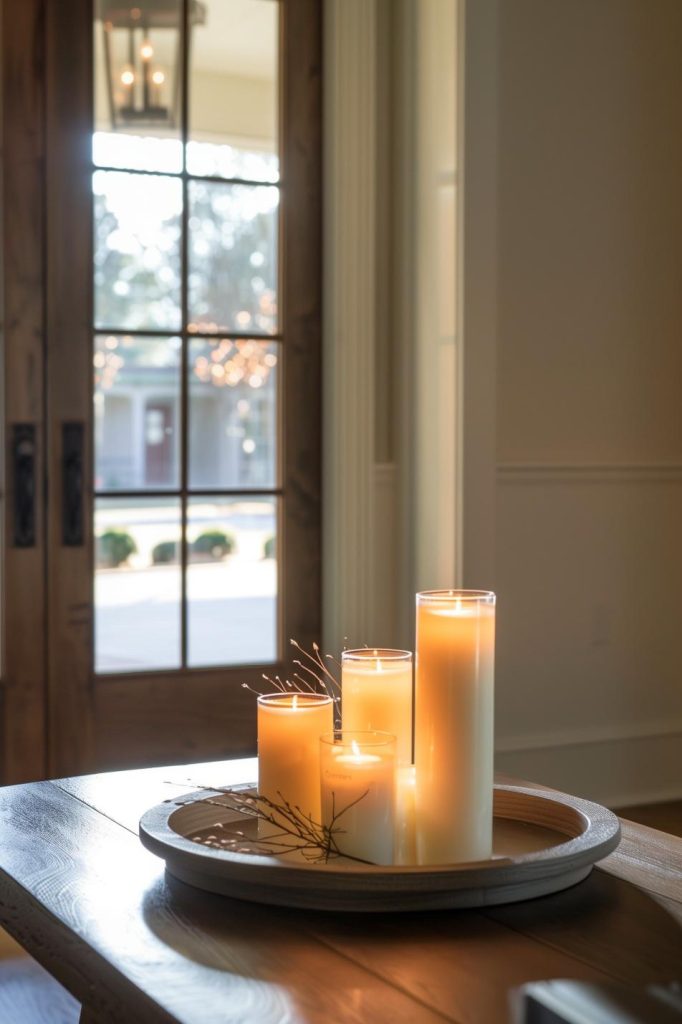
point(357, 781)
point(289, 730)
point(376, 694)
point(405, 831)
point(454, 725)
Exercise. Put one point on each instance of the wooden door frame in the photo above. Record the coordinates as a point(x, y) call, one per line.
point(146, 718)
point(68, 121)
point(23, 683)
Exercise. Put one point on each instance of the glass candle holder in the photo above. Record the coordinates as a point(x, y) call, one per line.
point(358, 783)
point(454, 704)
point(289, 730)
point(376, 694)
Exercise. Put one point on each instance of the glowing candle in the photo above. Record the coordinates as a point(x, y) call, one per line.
point(289, 730)
point(357, 776)
point(454, 696)
point(405, 830)
point(376, 692)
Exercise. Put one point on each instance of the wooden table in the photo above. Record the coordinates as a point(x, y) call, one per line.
point(80, 893)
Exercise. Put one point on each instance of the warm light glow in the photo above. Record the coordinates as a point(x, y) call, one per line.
point(294, 702)
point(356, 748)
point(158, 78)
point(127, 77)
point(146, 50)
point(458, 604)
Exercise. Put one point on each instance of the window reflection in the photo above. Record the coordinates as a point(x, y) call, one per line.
point(233, 422)
point(214, 325)
point(137, 412)
point(232, 581)
point(137, 584)
point(233, 258)
point(137, 251)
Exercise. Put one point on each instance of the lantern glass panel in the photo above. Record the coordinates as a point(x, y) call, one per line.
point(138, 101)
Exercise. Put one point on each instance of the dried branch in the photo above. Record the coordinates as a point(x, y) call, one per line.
point(295, 831)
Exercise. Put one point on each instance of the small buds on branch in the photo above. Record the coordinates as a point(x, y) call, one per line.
point(292, 830)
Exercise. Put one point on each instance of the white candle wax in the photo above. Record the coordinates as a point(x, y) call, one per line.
point(405, 831)
point(358, 795)
point(289, 730)
point(376, 693)
point(454, 697)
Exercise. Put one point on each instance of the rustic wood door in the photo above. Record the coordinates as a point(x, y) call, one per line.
point(162, 373)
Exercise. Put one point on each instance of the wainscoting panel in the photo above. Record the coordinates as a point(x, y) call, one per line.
point(589, 566)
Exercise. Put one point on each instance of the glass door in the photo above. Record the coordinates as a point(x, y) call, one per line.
point(184, 135)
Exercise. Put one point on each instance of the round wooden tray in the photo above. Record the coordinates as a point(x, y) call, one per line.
point(542, 843)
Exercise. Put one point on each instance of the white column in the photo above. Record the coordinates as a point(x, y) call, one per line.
point(350, 313)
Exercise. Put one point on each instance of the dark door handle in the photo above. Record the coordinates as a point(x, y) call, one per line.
point(24, 471)
point(73, 435)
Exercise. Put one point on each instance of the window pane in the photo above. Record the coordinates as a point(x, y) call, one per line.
point(137, 584)
point(137, 412)
point(233, 413)
point(137, 251)
point(233, 91)
point(137, 97)
point(232, 581)
point(233, 258)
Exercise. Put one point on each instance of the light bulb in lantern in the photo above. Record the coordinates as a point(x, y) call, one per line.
point(127, 76)
point(158, 78)
point(146, 50)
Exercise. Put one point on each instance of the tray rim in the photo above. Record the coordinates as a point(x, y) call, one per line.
point(599, 837)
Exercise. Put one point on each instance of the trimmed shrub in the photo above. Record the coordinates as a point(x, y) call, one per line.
point(115, 547)
point(213, 544)
point(269, 548)
point(166, 552)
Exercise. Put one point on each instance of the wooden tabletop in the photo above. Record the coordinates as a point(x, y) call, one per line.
point(80, 893)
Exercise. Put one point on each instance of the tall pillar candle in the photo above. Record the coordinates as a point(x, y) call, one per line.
point(289, 730)
point(454, 707)
point(405, 834)
point(358, 786)
point(376, 693)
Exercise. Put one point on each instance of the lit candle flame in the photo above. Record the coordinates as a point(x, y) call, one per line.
point(294, 702)
point(458, 604)
point(356, 748)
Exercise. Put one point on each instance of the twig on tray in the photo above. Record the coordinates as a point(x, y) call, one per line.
point(295, 831)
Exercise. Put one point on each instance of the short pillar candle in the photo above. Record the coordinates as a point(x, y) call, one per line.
point(454, 707)
point(376, 694)
point(289, 730)
point(358, 787)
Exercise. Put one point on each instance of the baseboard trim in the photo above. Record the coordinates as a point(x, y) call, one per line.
point(591, 735)
point(649, 796)
point(617, 770)
point(578, 472)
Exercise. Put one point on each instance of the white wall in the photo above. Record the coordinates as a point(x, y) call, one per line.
point(588, 413)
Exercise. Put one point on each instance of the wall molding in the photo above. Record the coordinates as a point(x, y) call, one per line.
point(588, 736)
point(585, 472)
point(625, 766)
